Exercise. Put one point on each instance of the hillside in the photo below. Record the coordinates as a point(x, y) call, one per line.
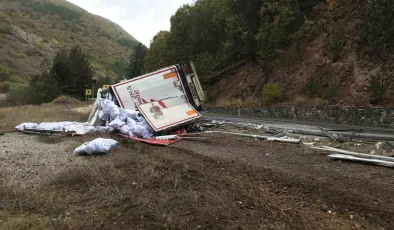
point(33, 30)
point(329, 63)
point(297, 52)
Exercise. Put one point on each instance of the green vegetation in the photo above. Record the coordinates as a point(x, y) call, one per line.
point(67, 74)
point(378, 27)
point(380, 83)
point(5, 73)
point(119, 68)
point(48, 8)
point(216, 34)
point(272, 93)
point(129, 43)
point(311, 87)
point(136, 62)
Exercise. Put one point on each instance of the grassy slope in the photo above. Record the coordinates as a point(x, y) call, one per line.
point(31, 30)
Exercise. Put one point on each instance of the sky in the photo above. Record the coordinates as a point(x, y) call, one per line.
point(140, 18)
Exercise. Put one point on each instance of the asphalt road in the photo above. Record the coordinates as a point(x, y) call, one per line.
point(291, 124)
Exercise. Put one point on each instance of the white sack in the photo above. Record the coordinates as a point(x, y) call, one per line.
point(140, 131)
point(125, 130)
point(97, 146)
point(55, 126)
point(108, 107)
point(24, 126)
point(116, 124)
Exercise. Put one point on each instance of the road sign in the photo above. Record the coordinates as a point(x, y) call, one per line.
point(88, 92)
point(106, 86)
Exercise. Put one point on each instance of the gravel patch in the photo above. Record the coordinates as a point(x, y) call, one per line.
point(29, 160)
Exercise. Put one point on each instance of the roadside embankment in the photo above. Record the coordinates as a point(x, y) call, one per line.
point(346, 115)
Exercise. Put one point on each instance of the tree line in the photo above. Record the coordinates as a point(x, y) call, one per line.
point(67, 74)
point(217, 33)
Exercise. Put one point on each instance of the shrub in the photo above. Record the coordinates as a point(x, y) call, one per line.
point(272, 93)
point(18, 54)
point(310, 87)
point(19, 94)
point(379, 84)
point(4, 87)
point(204, 64)
point(336, 48)
point(65, 100)
point(5, 73)
point(225, 102)
point(16, 79)
point(332, 94)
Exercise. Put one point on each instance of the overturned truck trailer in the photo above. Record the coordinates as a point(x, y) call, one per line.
point(168, 98)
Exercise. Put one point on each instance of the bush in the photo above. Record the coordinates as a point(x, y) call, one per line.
point(272, 93)
point(5, 73)
point(336, 48)
point(379, 84)
point(4, 87)
point(19, 94)
point(16, 79)
point(310, 87)
point(18, 54)
point(204, 64)
point(65, 100)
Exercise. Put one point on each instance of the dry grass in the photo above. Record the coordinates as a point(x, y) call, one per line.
point(225, 102)
point(137, 186)
point(300, 100)
point(13, 116)
point(65, 100)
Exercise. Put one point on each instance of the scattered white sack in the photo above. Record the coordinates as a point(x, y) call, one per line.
point(117, 123)
point(108, 107)
point(125, 130)
point(145, 124)
point(87, 129)
point(97, 146)
point(55, 126)
point(124, 114)
point(140, 131)
point(131, 122)
point(24, 126)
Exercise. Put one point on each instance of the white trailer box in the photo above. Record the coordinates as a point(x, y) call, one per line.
point(168, 113)
point(166, 98)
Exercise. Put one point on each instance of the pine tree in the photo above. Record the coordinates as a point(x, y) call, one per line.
point(136, 62)
point(379, 29)
point(72, 71)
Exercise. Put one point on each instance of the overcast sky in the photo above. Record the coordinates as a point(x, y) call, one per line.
point(141, 18)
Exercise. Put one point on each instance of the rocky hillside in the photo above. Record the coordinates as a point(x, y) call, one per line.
point(35, 29)
point(329, 63)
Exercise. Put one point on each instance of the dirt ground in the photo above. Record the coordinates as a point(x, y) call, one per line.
point(221, 183)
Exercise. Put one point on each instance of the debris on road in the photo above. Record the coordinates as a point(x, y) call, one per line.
point(332, 136)
point(284, 140)
point(358, 157)
point(383, 148)
point(362, 160)
point(95, 147)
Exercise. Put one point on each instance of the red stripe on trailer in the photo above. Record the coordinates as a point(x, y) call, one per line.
point(166, 126)
point(162, 104)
